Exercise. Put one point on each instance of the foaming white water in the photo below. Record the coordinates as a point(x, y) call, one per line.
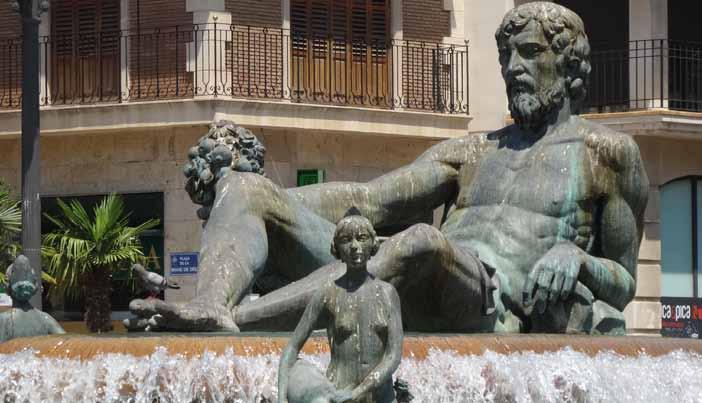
point(564, 376)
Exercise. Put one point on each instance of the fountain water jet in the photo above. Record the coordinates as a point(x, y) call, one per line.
point(476, 368)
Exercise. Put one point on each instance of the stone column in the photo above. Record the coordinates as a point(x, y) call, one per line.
point(456, 55)
point(123, 50)
point(397, 52)
point(44, 59)
point(457, 34)
point(287, 47)
point(648, 88)
point(648, 54)
point(207, 55)
point(488, 99)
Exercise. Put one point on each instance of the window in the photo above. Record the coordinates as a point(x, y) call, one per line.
point(360, 23)
point(85, 43)
point(340, 51)
point(681, 237)
point(309, 177)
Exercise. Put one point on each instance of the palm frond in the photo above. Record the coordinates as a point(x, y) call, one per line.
point(85, 242)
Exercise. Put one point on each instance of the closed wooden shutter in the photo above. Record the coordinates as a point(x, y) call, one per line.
point(62, 27)
point(298, 24)
point(80, 25)
point(340, 50)
point(85, 42)
point(355, 21)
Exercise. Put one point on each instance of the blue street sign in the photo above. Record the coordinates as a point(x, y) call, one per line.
point(184, 263)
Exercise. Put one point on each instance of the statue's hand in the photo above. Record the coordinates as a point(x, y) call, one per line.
point(554, 276)
point(193, 316)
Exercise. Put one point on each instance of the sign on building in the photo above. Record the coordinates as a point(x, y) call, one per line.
point(184, 263)
point(681, 317)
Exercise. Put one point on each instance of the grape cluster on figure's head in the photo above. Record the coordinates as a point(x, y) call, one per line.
point(226, 147)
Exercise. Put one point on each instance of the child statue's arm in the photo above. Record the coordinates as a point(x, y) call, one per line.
point(302, 332)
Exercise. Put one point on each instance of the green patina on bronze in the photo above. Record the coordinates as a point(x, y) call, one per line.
point(542, 226)
point(22, 320)
point(364, 329)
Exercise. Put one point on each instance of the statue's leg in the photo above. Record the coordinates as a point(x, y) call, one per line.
point(308, 385)
point(442, 286)
point(252, 228)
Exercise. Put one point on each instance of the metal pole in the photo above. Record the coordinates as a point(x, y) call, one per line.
point(31, 203)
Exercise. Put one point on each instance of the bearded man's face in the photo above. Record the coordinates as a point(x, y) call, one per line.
point(535, 86)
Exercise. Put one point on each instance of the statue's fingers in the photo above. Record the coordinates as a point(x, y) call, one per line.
point(529, 286)
point(170, 315)
point(544, 285)
point(568, 286)
point(142, 308)
point(135, 324)
point(556, 288)
point(157, 322)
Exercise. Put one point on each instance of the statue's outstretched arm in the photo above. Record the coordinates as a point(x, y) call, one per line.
point(54, 327)
point(393, 351)
point(302, 333)
point(398, 196)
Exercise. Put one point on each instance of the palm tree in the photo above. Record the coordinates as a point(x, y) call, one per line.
point(84, 250)
point(10, 226)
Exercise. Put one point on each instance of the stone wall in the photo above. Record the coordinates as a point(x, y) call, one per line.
point(665, 160)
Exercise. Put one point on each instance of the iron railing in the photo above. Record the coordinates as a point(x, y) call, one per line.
point(241, 62)
point(654, 73)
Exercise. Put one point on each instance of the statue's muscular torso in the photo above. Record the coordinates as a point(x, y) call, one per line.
point(521, 198)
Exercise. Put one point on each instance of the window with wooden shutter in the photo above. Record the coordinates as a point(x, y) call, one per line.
point(85, 43)
point(81, 26)
point(340, 50)
point(361, 23)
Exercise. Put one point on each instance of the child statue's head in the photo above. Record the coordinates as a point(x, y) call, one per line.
point(23, 281)
point(354, 239)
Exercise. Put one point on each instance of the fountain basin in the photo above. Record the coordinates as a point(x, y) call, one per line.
point(415, 345)
point(439, 368)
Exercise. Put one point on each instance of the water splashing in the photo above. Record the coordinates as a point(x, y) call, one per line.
point(443, 377)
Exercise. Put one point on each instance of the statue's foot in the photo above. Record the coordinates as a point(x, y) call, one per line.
point(192, 317)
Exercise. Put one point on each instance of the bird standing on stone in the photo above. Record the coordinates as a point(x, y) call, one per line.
point(153, 282)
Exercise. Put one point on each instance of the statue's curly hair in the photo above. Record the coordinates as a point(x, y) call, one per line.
point(565, 32)
point(243, 144)
point(226, 147)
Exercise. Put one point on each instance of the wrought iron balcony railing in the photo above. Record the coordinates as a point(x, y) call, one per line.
point(654, 73)
point(241, 62)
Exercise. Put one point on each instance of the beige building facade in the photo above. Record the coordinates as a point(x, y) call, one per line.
point(120, 116)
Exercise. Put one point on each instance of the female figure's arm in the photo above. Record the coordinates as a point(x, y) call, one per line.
point(306, 325)
point(393, 352)
point(52, 325)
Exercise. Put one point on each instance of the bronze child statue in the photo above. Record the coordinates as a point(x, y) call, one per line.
point(23, 320)
point(364, 328)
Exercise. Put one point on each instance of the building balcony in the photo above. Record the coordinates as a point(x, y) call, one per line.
point(652, 87)
point(241, 62)
point(257, 77)
point(654, 73)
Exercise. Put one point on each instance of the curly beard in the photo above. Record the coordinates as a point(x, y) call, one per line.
point(529, 108)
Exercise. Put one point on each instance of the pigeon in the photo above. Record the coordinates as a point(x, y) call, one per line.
point(153, 282)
